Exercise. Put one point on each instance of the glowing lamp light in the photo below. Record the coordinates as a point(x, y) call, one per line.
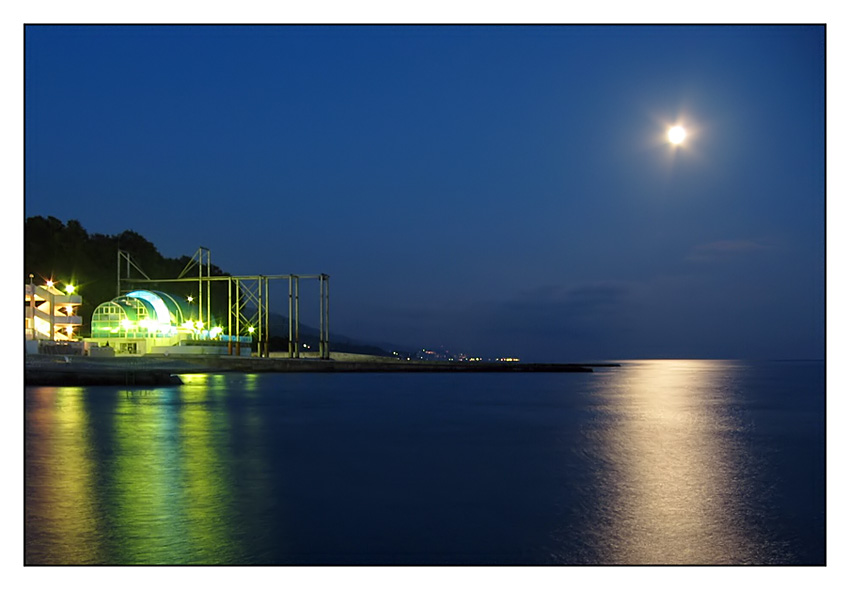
point(250, 329)
point(190, 299)
point(69, 289)
point(126, 324)
point(49, 284)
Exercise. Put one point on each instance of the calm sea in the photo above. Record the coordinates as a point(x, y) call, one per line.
point(655, 462)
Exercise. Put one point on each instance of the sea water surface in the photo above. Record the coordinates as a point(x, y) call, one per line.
point(655, 462)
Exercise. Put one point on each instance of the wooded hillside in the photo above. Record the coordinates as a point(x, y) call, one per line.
point(68, 253)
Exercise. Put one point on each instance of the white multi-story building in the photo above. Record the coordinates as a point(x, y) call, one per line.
point(51, 314)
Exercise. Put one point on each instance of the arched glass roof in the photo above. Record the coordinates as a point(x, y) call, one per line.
point(166, 309)
point(154, 312)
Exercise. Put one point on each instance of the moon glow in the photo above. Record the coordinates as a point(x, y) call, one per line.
point(676, 134)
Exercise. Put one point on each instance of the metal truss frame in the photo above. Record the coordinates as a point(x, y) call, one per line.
point(247, 302)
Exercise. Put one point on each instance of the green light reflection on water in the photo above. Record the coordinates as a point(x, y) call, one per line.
point(206, 468)
point(135, 476)
point(144, 492)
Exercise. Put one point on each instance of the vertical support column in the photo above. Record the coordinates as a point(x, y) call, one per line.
point(118, 274)
point(290, 318)
point(327, 317)
point(297, 321)
point(321, 316)
point(209, 283)
point(238, 316)
point(200, 287)
point(229, 317)
point(324, 327)
point(266, 344)
point(260, 316)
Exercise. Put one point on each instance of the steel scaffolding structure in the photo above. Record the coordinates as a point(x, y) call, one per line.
point(243, 293)
point(198, 259)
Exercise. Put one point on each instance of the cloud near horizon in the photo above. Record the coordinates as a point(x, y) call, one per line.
point(726, 248)
point(616, 319)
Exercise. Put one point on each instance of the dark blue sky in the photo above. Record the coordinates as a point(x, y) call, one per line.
point(498, 190)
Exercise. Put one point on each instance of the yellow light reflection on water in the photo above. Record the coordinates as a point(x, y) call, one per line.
point(206, 479)
point(59, 480)
point(671, 467)
point(135, 476)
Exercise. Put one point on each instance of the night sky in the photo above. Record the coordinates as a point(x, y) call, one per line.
point(500, 191)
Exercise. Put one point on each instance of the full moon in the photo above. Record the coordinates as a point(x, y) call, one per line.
point(676, 134)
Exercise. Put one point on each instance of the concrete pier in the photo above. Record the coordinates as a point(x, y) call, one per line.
point(161, 370)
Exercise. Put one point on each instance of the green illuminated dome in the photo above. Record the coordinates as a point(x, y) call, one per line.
point(140, 314)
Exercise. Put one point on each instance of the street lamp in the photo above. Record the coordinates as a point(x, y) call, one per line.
point(32, 307)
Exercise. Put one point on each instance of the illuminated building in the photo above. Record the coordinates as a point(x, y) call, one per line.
point(142, 321)
point(50, 314)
